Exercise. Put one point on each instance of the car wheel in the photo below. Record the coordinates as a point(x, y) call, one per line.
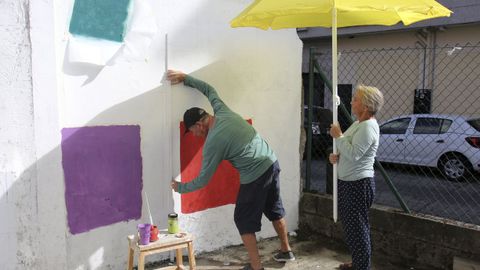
point(454, 166)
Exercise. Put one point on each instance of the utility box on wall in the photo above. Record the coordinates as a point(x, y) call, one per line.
point(422, 102)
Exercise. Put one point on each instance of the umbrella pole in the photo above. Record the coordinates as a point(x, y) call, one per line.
point(335, 101)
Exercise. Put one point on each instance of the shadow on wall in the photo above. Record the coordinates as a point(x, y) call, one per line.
point(91, 71)
point(105, 244)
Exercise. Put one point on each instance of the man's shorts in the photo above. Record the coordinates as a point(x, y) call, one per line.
point(260, 196)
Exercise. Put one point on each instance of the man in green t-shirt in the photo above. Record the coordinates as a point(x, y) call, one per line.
point(229, 137)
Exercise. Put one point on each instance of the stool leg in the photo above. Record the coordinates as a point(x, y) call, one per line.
point(179, 258)
point(141, 261)
point(130, 258)
point(191, 256)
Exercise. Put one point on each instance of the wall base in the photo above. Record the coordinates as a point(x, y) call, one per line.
point(401, 239)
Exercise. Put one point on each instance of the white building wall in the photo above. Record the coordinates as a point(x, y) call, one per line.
point(351, 68)
point(257, 73)
point(18, 205)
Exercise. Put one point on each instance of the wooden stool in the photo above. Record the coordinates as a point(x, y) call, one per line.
point(165, 242)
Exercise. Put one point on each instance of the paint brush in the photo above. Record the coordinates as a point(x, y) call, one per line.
point(148, 208)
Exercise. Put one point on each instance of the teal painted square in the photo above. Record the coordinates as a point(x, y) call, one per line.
point(103, 19)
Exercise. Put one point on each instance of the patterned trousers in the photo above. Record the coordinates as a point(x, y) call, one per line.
point(354, 201)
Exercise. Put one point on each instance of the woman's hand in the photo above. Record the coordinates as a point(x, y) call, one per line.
point(175, 76)
point(333, 158)
point(335, 131)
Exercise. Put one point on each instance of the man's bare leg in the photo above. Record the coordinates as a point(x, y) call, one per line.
point(281, 229)
point(250, 243)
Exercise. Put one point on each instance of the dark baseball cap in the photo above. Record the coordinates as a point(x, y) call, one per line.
point(192, 116)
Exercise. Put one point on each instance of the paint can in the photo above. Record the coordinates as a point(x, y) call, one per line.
point(144, 233)
point(173, 223)
point(153, 233)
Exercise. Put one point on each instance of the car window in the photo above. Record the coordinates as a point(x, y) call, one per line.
point(445, 125)
point(428, 126)
point(398, 126)
point(475, 123)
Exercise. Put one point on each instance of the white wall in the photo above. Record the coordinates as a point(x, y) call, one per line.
point(18, 208)
point(257, 73)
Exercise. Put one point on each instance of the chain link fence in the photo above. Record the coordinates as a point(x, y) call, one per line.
point(430, 125)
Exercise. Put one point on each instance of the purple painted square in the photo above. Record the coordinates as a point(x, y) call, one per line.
point(103, 175)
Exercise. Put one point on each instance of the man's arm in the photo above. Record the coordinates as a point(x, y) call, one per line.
point(177, 77)
point(210, 161)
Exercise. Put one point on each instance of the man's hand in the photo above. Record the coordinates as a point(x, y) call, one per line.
point(174, 185)
point(175, 77)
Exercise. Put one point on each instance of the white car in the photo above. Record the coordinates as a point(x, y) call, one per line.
point(448, 142)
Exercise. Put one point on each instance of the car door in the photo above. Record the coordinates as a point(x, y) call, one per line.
point(427, 141)
point(392, 135)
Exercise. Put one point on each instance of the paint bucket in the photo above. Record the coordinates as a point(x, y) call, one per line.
point(144, 233)
point(153, 233)
point(173, 223)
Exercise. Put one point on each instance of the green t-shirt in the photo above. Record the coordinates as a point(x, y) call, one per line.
point(357, 148)
point(231, 138)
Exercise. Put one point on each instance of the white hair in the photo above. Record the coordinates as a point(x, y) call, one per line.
point(372, 98)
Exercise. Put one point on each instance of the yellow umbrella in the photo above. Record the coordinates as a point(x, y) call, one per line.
point(277, 14)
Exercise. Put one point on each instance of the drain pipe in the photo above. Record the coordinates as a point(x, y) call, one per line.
point(422, 37)
point(434, 46)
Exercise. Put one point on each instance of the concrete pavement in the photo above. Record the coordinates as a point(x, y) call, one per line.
point(309, 255)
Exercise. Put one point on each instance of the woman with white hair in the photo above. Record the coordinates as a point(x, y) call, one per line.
point(357, 148)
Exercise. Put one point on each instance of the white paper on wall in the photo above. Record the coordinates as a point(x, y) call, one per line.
point(140, 33)
point(92, 51)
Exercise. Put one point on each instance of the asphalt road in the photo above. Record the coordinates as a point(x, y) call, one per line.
point(423, 190)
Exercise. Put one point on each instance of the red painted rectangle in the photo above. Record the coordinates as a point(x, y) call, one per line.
point(222, 188)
